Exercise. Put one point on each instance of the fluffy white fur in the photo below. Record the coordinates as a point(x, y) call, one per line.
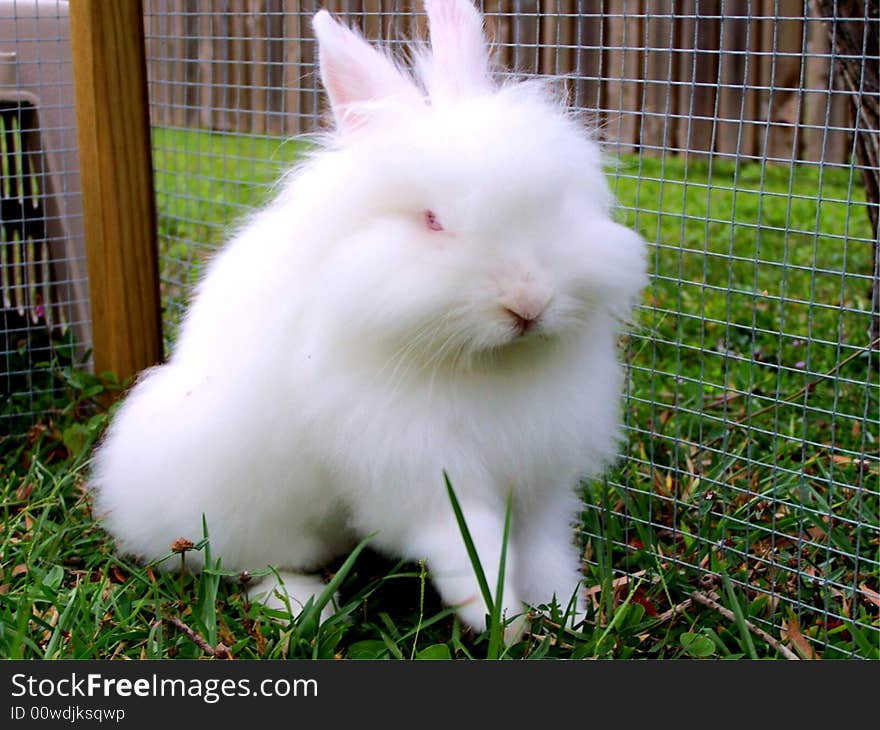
point(339, 355)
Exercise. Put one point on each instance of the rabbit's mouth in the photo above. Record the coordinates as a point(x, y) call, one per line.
point(521, 347)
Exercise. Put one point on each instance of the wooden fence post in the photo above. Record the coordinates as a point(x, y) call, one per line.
point(119, 209)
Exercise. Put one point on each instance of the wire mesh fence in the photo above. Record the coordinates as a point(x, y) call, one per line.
point(752, 404)
point(752, 408)
point(43, 287)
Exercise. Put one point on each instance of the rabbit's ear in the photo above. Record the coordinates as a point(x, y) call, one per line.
point(354, 73)
point(459, 52)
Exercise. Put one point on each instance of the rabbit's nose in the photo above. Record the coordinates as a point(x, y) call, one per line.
point(525, 310)
point(522, 323)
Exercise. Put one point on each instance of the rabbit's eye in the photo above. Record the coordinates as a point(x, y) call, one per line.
point(431, 221)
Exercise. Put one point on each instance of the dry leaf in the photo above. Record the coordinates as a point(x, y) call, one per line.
point(870, 595)
point(224, 633)
point(791, 632)
point(19, 569)
point(117, 575)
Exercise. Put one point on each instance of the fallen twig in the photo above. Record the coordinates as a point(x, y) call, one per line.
point(705, 600)
point(615, 584)
point(677, 609)
point(221, 651)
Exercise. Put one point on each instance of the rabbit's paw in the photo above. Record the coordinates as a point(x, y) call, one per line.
point(291, 593)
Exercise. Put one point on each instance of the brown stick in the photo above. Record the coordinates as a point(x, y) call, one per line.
point(221, 651)
point(705, 600)
point(677, 609)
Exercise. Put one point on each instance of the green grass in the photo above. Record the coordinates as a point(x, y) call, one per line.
point(64, 594)
point(722, 472)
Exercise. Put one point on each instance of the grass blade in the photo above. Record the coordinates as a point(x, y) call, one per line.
point(496, 620)
point(311, 615)
point(209, 582)
point(469, 545)
point(61, 626)
point(740, 618)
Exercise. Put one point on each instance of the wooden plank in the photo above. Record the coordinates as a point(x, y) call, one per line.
point(756, 76)
point(293, 70)
point(685, 74)
point(564, 39)
point(823, 101)
point(369, 18)
point(698, 74)
point(224, 93)
point(152, 29)
point(566, 27)
point(551, 59)
point(163, 67)
point(588, 41)
point(238, 69)
point(259, 37)
point(119, 213)
point(205, 50)
point(660, 95)
point(417, 27)
point(526, 36)
point(706, 91)
point(275, 69)
point(177, 78)
point(787, 57)
point(623, 72)
point(499, 31)
point(732, 105)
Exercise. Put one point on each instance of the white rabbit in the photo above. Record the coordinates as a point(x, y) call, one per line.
point(441, 287)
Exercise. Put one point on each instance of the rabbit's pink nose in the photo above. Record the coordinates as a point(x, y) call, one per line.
point(523, 321)
point(525, 308)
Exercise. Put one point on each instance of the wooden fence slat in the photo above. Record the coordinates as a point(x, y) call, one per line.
point(585, 35)
point(551, 59)
point(257, 24)
point(787, 60)
point(697, 73)
point(238, 68)
point(293, 68)
point(660, 95)
point(119, 213)
point(205, 50)
point(732, 99)
point(822, 102)
point(623, 88)
point(177, 54)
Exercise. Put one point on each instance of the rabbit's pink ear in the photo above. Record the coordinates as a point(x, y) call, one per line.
point(354, 73)
point(459, 53)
